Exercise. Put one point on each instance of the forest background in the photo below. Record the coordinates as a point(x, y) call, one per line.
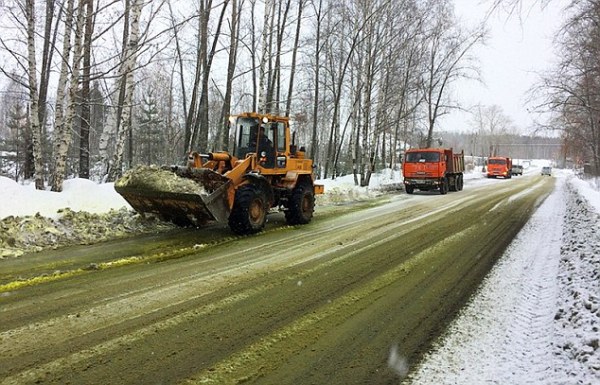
point(90, 88)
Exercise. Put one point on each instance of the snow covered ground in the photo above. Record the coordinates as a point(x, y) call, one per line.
point(534, 320)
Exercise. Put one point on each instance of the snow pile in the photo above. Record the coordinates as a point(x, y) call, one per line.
point(78, 194)
point(154, 178)
point(578, 317)
point(83, 213)
point(588, 189)
point(19, 235)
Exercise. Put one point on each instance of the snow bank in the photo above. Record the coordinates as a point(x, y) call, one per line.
point(78, 195)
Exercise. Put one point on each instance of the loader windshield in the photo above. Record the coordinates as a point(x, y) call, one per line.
point(247, 132)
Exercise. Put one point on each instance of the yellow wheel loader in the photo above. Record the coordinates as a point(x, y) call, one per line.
point(265, 171)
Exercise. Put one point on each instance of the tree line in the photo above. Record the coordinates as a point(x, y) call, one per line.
point(90, 88)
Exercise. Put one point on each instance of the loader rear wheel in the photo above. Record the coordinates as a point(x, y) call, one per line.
point(249, 213)
point(301, 205)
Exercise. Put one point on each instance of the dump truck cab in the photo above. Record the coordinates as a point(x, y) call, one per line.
point(499, 166)
point(433, 169)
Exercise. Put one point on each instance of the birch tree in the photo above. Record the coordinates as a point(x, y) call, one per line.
point(36, 129)
point(61, 123)
point(265, 59)
point(288, 104)
point(197, 121)
point(130, 57)
point(318, 12)
point(84, 144)
point(234, 28)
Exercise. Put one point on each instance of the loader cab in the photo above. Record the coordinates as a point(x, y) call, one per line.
point(261, 136)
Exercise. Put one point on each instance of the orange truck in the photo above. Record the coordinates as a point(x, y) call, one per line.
point(499, 166)
point(433, 169)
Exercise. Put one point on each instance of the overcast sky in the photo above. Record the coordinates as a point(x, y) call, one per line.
point(515, 52)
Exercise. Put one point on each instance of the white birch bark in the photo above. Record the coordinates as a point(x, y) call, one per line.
point(109, 131)
point(61, 128)
point(116, 166)
point(262, 91)
point(36, 129)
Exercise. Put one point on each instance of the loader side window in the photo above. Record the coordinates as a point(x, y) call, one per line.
point(247, 131)
point(281, 137)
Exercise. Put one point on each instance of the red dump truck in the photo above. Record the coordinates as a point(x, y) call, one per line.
point(499, 166)
point(433, 169)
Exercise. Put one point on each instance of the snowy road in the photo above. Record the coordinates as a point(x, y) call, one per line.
point(338, 301)
point(535, 318)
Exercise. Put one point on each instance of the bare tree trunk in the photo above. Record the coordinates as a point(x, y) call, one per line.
point(202, 121)
point(47, 54)
point(313, 141)
point(253, 55)
point(274, 88)
point(36, 130)
point(262, 91)
point(61, 128)
point(223, 137)
point(116, 167)
point(111, 128)
point(187, 128)
point(288, 103)
point(84, 144)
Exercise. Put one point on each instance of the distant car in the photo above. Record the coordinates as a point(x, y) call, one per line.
point(546, 170)
point(517, 169)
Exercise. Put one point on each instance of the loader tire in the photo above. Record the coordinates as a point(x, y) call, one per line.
point(249, 213)
point(301, 205)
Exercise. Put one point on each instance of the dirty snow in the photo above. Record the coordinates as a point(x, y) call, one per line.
point(535, 318)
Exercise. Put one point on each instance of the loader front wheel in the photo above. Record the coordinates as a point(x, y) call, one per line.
point(301, 205)
point(249, 213)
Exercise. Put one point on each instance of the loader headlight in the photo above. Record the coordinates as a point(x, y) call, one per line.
point(281, 161)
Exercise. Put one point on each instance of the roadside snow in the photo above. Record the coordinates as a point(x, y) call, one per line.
point(78, 195)
point(536, 316)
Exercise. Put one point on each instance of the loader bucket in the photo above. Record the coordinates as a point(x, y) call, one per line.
point(183, 200)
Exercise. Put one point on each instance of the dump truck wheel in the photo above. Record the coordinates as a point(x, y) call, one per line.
point(301, 205)
point(460, 183)
point(453, 184)
point(444, 186)
point(249, 213)
point(409, 189)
